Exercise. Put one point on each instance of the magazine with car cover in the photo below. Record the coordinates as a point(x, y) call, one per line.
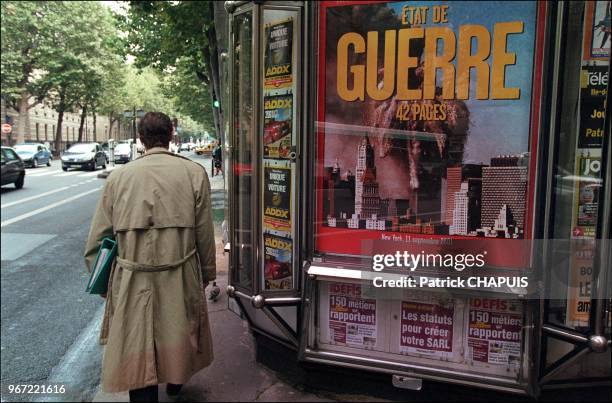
point(98, 281)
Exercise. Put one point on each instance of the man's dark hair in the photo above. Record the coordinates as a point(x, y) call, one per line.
point(155, 130)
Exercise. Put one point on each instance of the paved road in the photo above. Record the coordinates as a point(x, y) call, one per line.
point(49, 326)
point(43, 303)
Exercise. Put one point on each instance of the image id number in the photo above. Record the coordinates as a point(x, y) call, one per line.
point(36, 389)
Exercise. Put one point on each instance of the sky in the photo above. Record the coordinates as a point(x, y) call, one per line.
point(116, 6)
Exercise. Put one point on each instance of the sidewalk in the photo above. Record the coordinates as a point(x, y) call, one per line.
point(234, 374)
point(109, 168)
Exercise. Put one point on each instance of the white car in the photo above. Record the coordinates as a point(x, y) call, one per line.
point(123, 153)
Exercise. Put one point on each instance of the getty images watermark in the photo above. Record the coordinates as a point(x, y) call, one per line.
point(458, 262)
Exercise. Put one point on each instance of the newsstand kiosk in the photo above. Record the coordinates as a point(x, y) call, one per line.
point(422, 189)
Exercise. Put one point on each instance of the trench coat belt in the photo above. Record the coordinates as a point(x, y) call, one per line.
point(132, 266)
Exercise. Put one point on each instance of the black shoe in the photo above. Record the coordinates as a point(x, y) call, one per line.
point(173, 389)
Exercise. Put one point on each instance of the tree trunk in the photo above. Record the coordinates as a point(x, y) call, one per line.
point(58, 131)
point(208, 56)
point(94, 126)
point(83, 116)
point(214, 76)
point(23, 112)
point(110, 126)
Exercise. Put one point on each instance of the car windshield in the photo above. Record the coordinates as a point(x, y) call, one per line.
point(27, 148)
point(82, 148)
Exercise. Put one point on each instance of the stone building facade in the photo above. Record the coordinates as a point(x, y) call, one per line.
point(41, 123)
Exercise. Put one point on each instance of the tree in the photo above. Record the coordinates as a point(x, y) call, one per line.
point(77, 76)
point(30, 33)
point(178, 37)
point(190, 97)
point(112, 102)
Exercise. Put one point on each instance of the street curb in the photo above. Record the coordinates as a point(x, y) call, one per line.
point(104, 174)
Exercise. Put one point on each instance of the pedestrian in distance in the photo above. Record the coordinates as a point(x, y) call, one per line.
point(155, 324)
point(218, 159)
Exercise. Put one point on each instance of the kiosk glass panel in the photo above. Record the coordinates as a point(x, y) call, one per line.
point(242, 120)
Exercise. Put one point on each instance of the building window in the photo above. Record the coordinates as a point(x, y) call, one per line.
point(46, 137)
point(37, 133)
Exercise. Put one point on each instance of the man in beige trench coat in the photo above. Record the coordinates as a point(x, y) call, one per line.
point(155, 324)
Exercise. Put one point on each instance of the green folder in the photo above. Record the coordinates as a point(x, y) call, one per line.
point(98, 281)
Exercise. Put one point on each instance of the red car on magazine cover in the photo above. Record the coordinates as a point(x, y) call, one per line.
point(275, 131)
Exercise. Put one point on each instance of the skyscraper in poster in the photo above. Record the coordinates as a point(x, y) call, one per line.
point(460, 212)
point(504, 183)
point(454, 177)
point(467, 210)
point(365, 164)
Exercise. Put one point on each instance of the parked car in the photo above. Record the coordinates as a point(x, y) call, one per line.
point(185, 147)
point(13, 168)
point(84, 155)
point(205, 149)
point(123, 152)
point(34, 154)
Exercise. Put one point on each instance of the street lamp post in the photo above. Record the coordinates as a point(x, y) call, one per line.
point(133, 115)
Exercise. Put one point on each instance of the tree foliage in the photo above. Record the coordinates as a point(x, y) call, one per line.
point(190, 97)
point(66, 53)
point(27, 46)
point(72, 56)
point(87, 56)
point(29, 49)
point(178, 39)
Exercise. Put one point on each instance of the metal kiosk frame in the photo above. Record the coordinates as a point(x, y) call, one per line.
point(552, 355)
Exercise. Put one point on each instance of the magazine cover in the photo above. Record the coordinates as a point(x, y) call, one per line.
point(407, 147)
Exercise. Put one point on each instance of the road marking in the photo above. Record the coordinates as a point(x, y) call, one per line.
point(83, 357)
point(27, 199)
point(42, 173)
point(34, 197)
point(49, 207)
point(70, 173)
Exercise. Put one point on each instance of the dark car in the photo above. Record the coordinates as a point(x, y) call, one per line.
point(84, 155)
point(33, 154)
point(13, 169)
